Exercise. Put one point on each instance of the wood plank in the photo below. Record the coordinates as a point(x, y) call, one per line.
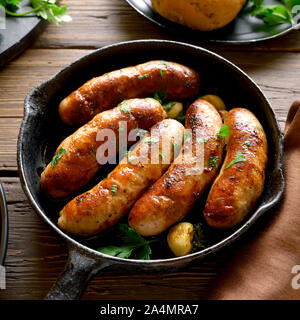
point(99, 23)
point(28, 71)
point(36, 256)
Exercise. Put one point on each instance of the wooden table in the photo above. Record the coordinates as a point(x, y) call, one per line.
point(35, 256)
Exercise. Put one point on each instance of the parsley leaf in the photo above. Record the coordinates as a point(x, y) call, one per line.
point(246, 144)
point(187, 136)
point(93, 152)
point(275, 14)
point(46, 9)
point(152, 139)
point(161, 72)
point(198, 238)
point(202, 140)
point(146, 75)
point(224, 131)
point(238, 158)
point(160, 96)
point(114, 189)
point(213, 161)
point(140, 132)
point(56, 158)
point(125, 109)
point(132, 245)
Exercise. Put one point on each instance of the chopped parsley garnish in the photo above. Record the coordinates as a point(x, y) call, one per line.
point(187, 136)
point(160, 96)
point(224, 131)
point(162, 156)
point(246, 144)
point(56, 158)
point(144, 76)
point(93, 152)
point(140, 132)
point(213, 161)
point(114, 189)
point(238, 158)
point(152, 139)
point(202, 140)
point(121, 129)
point(161, 72)
point(125, 109)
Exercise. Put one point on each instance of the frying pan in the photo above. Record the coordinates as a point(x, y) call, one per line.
point(42, 130)
point(3, 226)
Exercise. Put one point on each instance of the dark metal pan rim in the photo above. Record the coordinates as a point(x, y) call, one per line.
point(29, 112)
point(4, 226)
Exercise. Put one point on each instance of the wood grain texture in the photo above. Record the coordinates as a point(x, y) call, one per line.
point(97, 23)
point(35, 255)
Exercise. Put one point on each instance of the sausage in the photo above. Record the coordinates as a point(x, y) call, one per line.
point(106, 91)
point(77, 162)
point(238, 186)
point(175, 193)
point(110, 200)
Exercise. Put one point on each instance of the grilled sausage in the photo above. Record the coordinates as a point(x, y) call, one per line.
point(110, 200)
point(77, 162)
point(175, 193)
point(240, 184)
point(143, 80)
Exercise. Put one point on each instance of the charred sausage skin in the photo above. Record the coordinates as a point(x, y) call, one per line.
point(104, 92)
point(79, 164)
point(110, 200)
point(238, 186)
point(175, 193)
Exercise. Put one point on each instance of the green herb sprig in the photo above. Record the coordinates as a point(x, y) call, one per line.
point(132, 245)
point(56, 158)
point(276, 14)
point(46, 9)
point(238, 158)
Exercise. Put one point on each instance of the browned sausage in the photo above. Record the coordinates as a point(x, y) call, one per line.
point(240, 184)
point(77, 162)
point(143, 80)
point(110, 200)
point(175, 193)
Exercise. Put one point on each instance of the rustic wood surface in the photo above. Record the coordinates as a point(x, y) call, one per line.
point(35, 255)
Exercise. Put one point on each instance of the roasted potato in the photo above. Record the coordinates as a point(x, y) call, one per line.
point(180, 239)
point(204, 15)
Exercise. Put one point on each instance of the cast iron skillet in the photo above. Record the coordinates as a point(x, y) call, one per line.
point(3, 226)
point(42, 130)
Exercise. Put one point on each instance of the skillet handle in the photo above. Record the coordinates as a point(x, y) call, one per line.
point(80, 268)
